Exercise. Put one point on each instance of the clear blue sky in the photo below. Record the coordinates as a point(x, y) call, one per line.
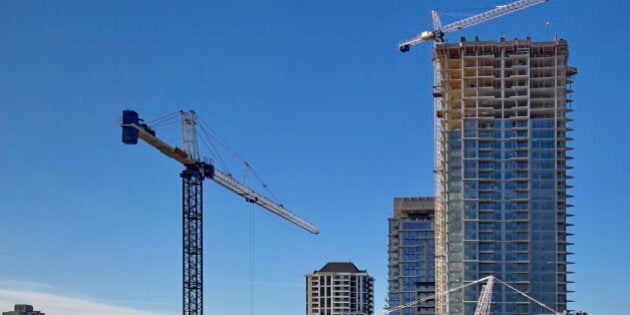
point(313, 93)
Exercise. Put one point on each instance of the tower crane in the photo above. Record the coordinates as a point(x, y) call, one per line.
point(196, 169)
point(438, 32)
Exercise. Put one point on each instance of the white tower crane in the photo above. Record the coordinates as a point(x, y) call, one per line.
point(438, 32)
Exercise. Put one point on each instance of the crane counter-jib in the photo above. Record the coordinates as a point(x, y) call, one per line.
point(148, 135)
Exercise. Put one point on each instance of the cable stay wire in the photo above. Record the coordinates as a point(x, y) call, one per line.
point(221, 141)
point(167, 125)
point(209, 144)
point(212, 134)
point(261, 182)
point(209, 138)
point(466, 10)
point(163, 119)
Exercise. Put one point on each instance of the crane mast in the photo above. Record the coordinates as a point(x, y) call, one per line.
point(195, 171)
point(192, 247)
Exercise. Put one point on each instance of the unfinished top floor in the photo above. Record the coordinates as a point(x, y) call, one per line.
point(502, 48)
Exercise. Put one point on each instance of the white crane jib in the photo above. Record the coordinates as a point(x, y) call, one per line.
point(438, 32)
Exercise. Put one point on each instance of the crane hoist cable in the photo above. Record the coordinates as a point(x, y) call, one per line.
point(252, 259)
point(252, 249)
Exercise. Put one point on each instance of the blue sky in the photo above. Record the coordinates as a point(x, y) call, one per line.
point(313, 93)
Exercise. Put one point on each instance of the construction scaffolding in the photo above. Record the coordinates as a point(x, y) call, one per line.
point(441, 198)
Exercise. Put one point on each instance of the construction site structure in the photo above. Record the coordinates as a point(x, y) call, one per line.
point(477, 97)
point(196, 169)
point(483, 304)
point(502, 114)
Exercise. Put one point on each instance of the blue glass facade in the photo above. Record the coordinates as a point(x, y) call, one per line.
point(412, 255)
point(504, 114)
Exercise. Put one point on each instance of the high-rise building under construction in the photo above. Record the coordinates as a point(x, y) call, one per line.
point(502, 113)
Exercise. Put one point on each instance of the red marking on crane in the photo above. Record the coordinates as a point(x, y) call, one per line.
point(181, 152)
